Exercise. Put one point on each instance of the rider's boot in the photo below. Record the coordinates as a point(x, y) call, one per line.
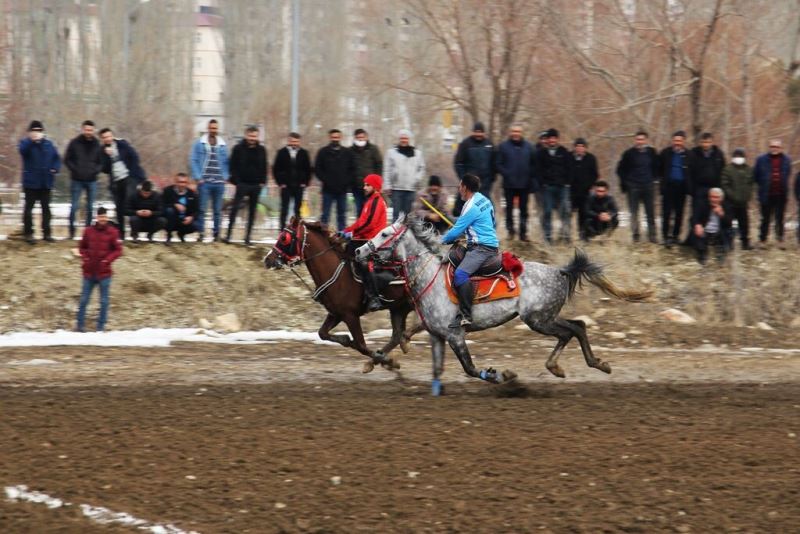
point(371, 292)
point(465, 294)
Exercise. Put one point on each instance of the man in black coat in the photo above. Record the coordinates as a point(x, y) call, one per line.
point(248, 172)
point(335, 167)
point(705, 167)
point(583, 168)
point(675, 173)
point(476, 155)
point(180, 208)
point(83, 158)
point(121, 164)
point(711, 225)
point(144, 210)
point(292, 172)
point(638, 170)
point(516, 162)
point(554, 174)
point(602, 213)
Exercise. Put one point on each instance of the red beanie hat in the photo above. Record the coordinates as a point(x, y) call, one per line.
point(375, 181)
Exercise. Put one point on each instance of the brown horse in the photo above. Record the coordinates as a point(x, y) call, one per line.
point(337, 290)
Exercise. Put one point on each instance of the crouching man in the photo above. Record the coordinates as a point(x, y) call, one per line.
point(180, 208)
point(712, 226)
point(602, 214)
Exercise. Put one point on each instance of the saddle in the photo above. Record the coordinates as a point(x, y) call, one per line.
point(496, 279)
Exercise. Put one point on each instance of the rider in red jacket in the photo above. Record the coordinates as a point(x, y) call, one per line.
point(373, 215)
point(371, 221)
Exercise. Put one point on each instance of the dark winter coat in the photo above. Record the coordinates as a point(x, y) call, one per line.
point(40, 163)
point(171, 197)
point(84, 159)
point(368, 160)
point(703, 212)
point(248, 164)
point(475, 157)
point(596, 205)
point(129, 157)
point(99, 247)
point(737, 183)
point(665, 168)
point(137, 202)
point(336, 169)
point(627, 168)
point(292, 172)
point(555, 169)
point(516, 163)
point(583, 174)
point(762, 174)
point(706, 171)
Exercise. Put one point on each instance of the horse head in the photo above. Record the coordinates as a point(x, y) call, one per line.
point(288, 249)
point(385, 242)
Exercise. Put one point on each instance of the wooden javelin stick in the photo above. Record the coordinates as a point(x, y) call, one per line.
point(437, 212)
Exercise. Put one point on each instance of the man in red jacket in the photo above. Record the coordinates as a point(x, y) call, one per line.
point(371, 221)
point(99, 247)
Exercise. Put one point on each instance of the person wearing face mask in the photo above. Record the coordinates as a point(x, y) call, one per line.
point(368, 160)
point(40, 164)
point(737, 184)
point(335, 167)
point(292, 172)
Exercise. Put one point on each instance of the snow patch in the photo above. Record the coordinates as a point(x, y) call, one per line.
point(35, 361)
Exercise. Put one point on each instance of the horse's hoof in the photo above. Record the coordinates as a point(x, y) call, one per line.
point(437, 389)
point(604, 366)
point(404, 346)
point(557, 371)
point(368, 367)
point(508, 375)
point(489, 375)
point(391, 364)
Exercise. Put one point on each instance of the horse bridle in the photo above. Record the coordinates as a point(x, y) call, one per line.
point(389, 245)
point(294, 252)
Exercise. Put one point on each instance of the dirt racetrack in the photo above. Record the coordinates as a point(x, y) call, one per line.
point(290, 437)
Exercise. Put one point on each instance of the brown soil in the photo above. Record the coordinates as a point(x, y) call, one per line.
point(586, 458)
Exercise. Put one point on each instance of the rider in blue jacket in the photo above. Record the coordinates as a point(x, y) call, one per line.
point(477, 224)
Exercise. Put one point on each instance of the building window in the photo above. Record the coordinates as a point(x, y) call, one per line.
point(197, 86)
point(198, 38)
point(198, 62)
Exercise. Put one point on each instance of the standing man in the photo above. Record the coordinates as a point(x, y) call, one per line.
point(516, 163)
point(335, 167)
point(83, 158)
point(249, 175)
point(583, 167)
point(637, 171)
point(292, 172)
point(676, 178)
point(706, 163)
point(180, 208)
point(210, 169)
point(121, 164)
point(368, 161)
point(737, 184)
point(478, 224)
point(144, 210)
point(405, 169)
point(553, 170)
point(476, 155)
point(40, 164)
point(99, 247)
point(771, 174)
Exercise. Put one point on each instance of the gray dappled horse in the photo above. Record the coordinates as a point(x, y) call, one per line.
point(543, 292)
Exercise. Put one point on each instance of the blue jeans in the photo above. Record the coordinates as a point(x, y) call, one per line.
point(402, 202)
point(215, 192)
point(86, 292)
point(556, 197)
point(76, 188)
point(341, 208)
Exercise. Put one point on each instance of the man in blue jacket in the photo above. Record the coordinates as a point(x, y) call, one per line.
point(210, 169)
point(771, 174)
point(40, 164)
point(121, 164)
point(516, 162)
point(478, 225)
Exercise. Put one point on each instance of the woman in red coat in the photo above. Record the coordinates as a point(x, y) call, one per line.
point(99, 247)
point(371, 221)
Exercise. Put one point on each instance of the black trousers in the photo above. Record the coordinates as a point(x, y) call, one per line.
point(774, 206)
point(119, 190)
point(642, 194)
point(579, 205)
point(743, 219)
point(252, 192)
point(719, 242)
point(673, 202)
point(522, 195)
point(289, 194)
point(175, 223)
point(148, 225)
point(31, 197)
point(594, 227)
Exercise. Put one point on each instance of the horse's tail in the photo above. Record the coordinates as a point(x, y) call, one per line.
point(581, 267)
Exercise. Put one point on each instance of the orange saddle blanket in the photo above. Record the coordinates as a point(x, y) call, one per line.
point(487, 288)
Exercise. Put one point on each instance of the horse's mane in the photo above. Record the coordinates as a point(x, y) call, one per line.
point(327, 232)
point(426, 234)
